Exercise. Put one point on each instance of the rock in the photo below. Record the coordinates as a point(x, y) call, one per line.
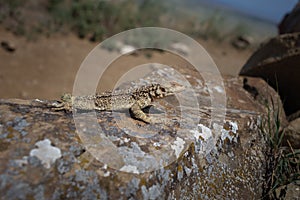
point(277, 62)
point(212, 159)
point(242, 42)
point(290, 192)
point(291, 21)
point(293, 191)
point(8, 46)
point(292, 134)
point(252, 90)
point(293, 116)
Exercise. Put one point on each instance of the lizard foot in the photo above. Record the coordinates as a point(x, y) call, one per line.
point(65, 103)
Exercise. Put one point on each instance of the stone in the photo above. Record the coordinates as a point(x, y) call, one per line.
point(277, 62)
point(8, 46)
point(291, 21)
point(128, 159)
point(292, 134)
point(293, 191)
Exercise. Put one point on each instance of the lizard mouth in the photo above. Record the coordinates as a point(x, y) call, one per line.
point(174, 88)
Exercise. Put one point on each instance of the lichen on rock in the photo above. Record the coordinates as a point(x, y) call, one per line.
point(47, 153)
point(204, 160)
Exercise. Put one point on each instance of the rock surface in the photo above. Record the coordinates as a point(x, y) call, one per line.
point(205, 160)
point(291, 21)
point(292, 134)
point(293, 191)
point(277, 62)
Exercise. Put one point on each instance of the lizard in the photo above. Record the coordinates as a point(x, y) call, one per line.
point(135, 100)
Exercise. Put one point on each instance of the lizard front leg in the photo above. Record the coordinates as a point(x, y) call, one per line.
point(137, 112)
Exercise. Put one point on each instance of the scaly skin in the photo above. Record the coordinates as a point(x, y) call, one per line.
point(135, 100)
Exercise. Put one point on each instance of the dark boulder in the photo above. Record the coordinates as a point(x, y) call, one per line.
point(278, 63)
point(44, 155)
point(291, 21)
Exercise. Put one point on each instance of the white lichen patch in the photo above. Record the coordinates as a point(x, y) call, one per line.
point(130, 169)
point(105, 166)
point(234, 127)
point(230, 134)
point(187, 170)
point(203, 132)
point(178, 146)
point(253, 123)
point(123, 140)
point(179, 173)
point(103, 171)
point(153, 192)
point(46, 153)
point(156, 144)
point(106, 174)
point(22, 162)
point(204, 140)
point(196, 134)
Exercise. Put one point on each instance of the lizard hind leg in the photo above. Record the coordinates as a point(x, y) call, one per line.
point(64, 104)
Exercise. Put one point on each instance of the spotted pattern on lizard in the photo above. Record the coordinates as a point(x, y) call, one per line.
point(134, 100)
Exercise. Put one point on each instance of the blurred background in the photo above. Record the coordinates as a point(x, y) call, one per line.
point(44, 42)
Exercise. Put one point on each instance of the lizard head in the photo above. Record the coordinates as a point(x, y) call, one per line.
point(166, 89)
point(67, 97)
